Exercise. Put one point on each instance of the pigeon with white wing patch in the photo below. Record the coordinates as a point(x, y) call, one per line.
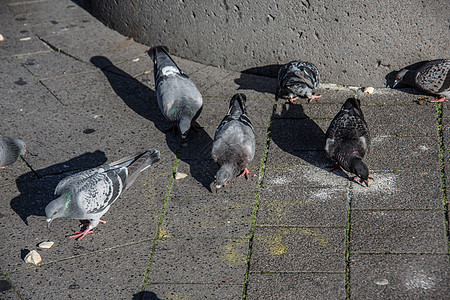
point(178, 98)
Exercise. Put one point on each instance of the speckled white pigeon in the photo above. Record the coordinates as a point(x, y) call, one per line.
point(88, 195)
point(348, 140)
point(178, 98)
point(432, 77)
point(234, 143)
point(298, 79)
point(10, 149)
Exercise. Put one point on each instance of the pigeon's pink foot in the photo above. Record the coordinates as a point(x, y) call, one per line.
point(246, 173)
point(442, 99)
point(335, 167)
point(291, 100)
point(81, 234)
point(314, 96)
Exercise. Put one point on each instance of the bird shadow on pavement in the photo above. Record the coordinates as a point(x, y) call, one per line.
point(145, 295)
point(261, 79)
point(295, 133)
point(36, 190)
point(142, 100)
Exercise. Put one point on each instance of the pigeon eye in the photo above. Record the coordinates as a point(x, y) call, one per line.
point(54, 213)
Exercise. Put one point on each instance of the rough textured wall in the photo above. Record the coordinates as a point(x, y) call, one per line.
point(351, 42)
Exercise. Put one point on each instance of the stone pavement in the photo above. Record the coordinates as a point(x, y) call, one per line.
point(80, 95)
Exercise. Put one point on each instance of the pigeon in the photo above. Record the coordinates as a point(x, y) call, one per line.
point(178, 98)
point(234, 143)
point(89, 194)
point(432, 77)
point(10, 149)
point(298, 79)
point(347, 140)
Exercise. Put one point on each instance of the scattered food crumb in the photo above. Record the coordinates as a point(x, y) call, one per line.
point(25, 39)
point(97, 116)
point(369, 90)
point(33, 258)
point(382, 282)
point(179, 175)
point(1, 38)
point(46, 245)
point(136, 59)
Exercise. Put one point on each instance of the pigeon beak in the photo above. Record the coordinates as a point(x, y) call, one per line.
point(396, 81)
point(49, 221)
point(366, 182)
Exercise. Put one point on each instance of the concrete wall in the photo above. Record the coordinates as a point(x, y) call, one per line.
point(351, 42)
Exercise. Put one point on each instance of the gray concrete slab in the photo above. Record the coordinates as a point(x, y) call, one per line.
point(298, 249)
point(192, 291)
point(380, 231)
point(212, 216)
point(292, 286)
point(399, 190)
point(293, 206)
point(121, 271)
point(199, 260)
point(399, 276)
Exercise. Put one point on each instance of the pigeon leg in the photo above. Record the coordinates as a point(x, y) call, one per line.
point(314, 96)
point(246, 173)
point(291, 100)
point(81, 234)
point(335, 167)
point(442, 99)
point(195, 126)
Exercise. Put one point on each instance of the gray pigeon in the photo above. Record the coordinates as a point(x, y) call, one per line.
point(348, 140)
point(234, 143)
point(298, 79)
point(178, 98)
point(10, 149)
point(432, 77)
point(88, 195)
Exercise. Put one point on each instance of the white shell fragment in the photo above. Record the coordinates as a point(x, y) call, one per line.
point(179, 175)
point(136, 59)
point(1, 38)
point(369, 90)
point(46, 245)
point(25, 39)
point(382, 282)
point(33, 258)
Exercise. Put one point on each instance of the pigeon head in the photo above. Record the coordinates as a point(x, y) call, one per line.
point(360, 169)
point(56, 209)
point(403, 76)
point(184, 124)
point(224, 176)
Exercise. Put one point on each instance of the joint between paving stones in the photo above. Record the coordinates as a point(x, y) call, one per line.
point(347, 243)
point(161, 219)
point(440, 114)
point(257, 199)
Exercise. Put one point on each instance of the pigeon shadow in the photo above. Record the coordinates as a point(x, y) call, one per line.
point(36, 193)
point(248, 79)
point(145, 295)
point(390, 78)
point(142, 100)
point(295, 133)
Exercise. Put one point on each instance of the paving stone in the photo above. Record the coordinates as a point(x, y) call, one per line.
point(399, 276)
point(378, 231)
point(214, 216)
point(293, 206)
point(297, 249)
point(53, 64)
point(199, 260)
point(399, 189)
point(293, 286)
point(119, 277)
point(191, 291)
point(404, 153)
